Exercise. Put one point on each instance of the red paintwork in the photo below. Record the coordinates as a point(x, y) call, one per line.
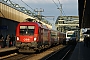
point(38, 27)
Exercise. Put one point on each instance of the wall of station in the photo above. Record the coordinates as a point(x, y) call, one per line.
point(7, 26)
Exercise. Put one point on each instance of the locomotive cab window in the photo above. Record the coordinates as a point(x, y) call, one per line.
point(27, 30)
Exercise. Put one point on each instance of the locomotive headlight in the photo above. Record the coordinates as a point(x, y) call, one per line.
point(17, 38)
point(35, 39)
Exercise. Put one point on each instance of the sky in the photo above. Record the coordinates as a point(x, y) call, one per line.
point(70, 7)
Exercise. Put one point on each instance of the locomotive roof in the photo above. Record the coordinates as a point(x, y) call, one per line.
point(33, 23)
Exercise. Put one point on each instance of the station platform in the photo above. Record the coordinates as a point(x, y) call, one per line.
point(7, 49)
point(80, 52)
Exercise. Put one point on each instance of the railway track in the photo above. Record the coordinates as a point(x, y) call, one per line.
point(62, 54)
point(43, 55)
point(18, 57)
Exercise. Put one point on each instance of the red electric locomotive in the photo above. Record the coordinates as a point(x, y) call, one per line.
point(32, 36)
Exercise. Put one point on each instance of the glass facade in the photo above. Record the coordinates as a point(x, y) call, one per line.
point(67, 23)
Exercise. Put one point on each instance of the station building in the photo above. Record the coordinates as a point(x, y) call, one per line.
point(11, 14)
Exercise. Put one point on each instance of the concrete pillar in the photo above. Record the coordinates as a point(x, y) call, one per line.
point(81, 35)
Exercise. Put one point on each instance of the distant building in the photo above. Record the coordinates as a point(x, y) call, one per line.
point(66, 23)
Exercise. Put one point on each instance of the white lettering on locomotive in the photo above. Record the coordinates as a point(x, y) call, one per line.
point(26, 39)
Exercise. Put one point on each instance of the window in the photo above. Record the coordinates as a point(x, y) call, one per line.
point(61, 22)
point(27, 30)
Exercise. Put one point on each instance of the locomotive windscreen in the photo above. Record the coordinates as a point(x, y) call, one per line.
point(27, 30)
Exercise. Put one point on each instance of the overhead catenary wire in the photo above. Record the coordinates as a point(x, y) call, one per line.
point(55, 3)
point(60, 6)
point(59, 3)
point(63, 12)
point(27, 5)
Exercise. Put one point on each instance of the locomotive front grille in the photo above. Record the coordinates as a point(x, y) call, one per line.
point(26, 44)
point(32, 44)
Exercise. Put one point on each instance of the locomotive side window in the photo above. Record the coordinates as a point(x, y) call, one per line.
point(27, 30)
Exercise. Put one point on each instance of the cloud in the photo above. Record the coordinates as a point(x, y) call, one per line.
point(47, 1)
point(69, 6)
point(36, 1)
